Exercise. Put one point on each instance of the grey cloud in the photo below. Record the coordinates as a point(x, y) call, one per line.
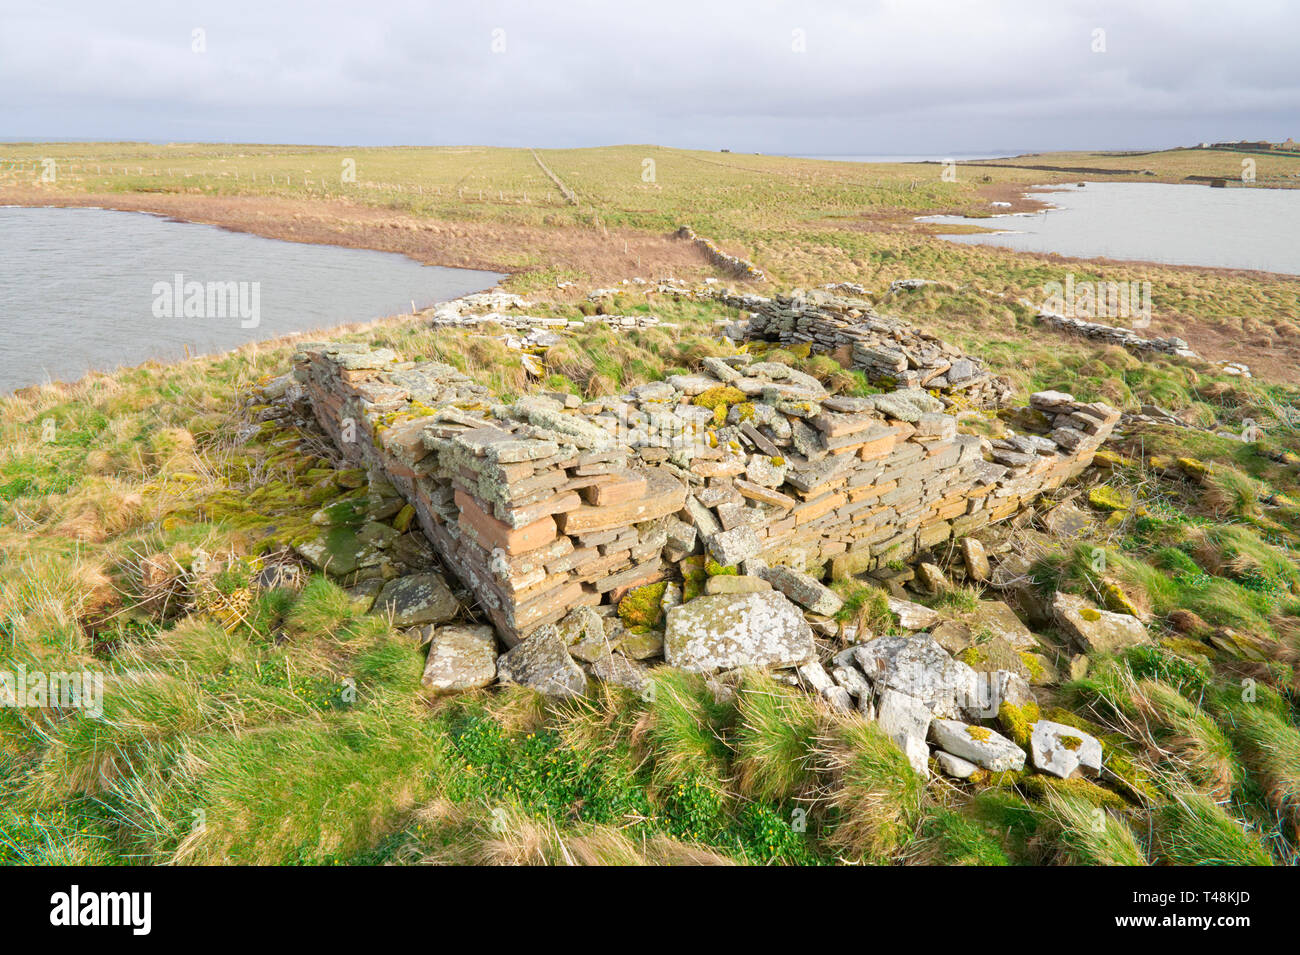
point(948, 76)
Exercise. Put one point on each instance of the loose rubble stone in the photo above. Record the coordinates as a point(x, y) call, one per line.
point(913, 616)
point(975, 559)
point(1062, 750)
point(900, 715)
point(932, 578)
point(955, 766)
point(417, 600)
point(804, 590)
point(729, 548)
point(978, 744)
point(920, 668)
point(735, 630)
point(917, 753)
point(542, 663)
point(461, 657)
point(619, 670)
point(1096, 630)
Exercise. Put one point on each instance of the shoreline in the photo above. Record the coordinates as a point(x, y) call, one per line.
point(431, 241)
point(28, 392)
point(604, 256)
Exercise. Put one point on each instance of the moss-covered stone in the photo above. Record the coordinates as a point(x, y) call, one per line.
point(1117, 601)
point(641, 609)
point(1018, 721)
point(1085, 789)
point(1107, 498)
point(402, 520)
point(721, 396)
point(1109, 460)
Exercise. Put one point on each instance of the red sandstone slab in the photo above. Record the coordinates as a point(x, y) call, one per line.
point(608, 490)
point(548, 507)
point(495, 533)
point(664, 495)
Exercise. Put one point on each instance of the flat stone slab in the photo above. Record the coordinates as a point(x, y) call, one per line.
point(460, 658)
point(726, 631)
point(977, 744)
point(901, 715)
point(543, 663)
point(1061, 750)
point(955, 766)
point(663, 495)
point(999, 619)
point(913, 616)
point(920, 668)
point(736, 584)
point(417, 600)
point(804, 590)
point(1096, 630)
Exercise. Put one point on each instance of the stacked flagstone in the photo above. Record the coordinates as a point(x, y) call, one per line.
point(886, 349)
point(507, 310)
point(732, 263)
point(551, 503)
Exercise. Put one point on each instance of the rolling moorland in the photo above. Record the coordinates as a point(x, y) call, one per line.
point(285, 724)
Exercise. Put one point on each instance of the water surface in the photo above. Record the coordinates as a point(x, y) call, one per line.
point(84, 289)
point(1240, 227)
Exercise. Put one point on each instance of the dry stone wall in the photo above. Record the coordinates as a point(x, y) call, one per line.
point(548, 503)
point(885, 348)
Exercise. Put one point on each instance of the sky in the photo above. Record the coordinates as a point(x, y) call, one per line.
point(947, 78)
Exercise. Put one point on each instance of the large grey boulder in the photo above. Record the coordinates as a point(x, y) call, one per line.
point(726, 631)
point(417, 600)
point(978, 745)
point(461, 657)
point(919, 667)
point(1096, 630)
point(543, 663)
point(1060, 750)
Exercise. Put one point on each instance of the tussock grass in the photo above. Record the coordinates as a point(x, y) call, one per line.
point(680, 734)
point(1088, 835)
point(1194, 830)
point(1270, 748)
point(949, 837)
point(1176, 729)
point(307, 791)
point(875, 792)
point(775, 739)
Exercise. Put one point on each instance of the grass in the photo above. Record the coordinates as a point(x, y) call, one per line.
point(1193, 830)
point(288, 726)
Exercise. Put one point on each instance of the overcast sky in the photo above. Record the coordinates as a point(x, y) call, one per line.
point(945, 78)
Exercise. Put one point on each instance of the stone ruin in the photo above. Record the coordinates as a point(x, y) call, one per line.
point(885, 348)
point(551, 505)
